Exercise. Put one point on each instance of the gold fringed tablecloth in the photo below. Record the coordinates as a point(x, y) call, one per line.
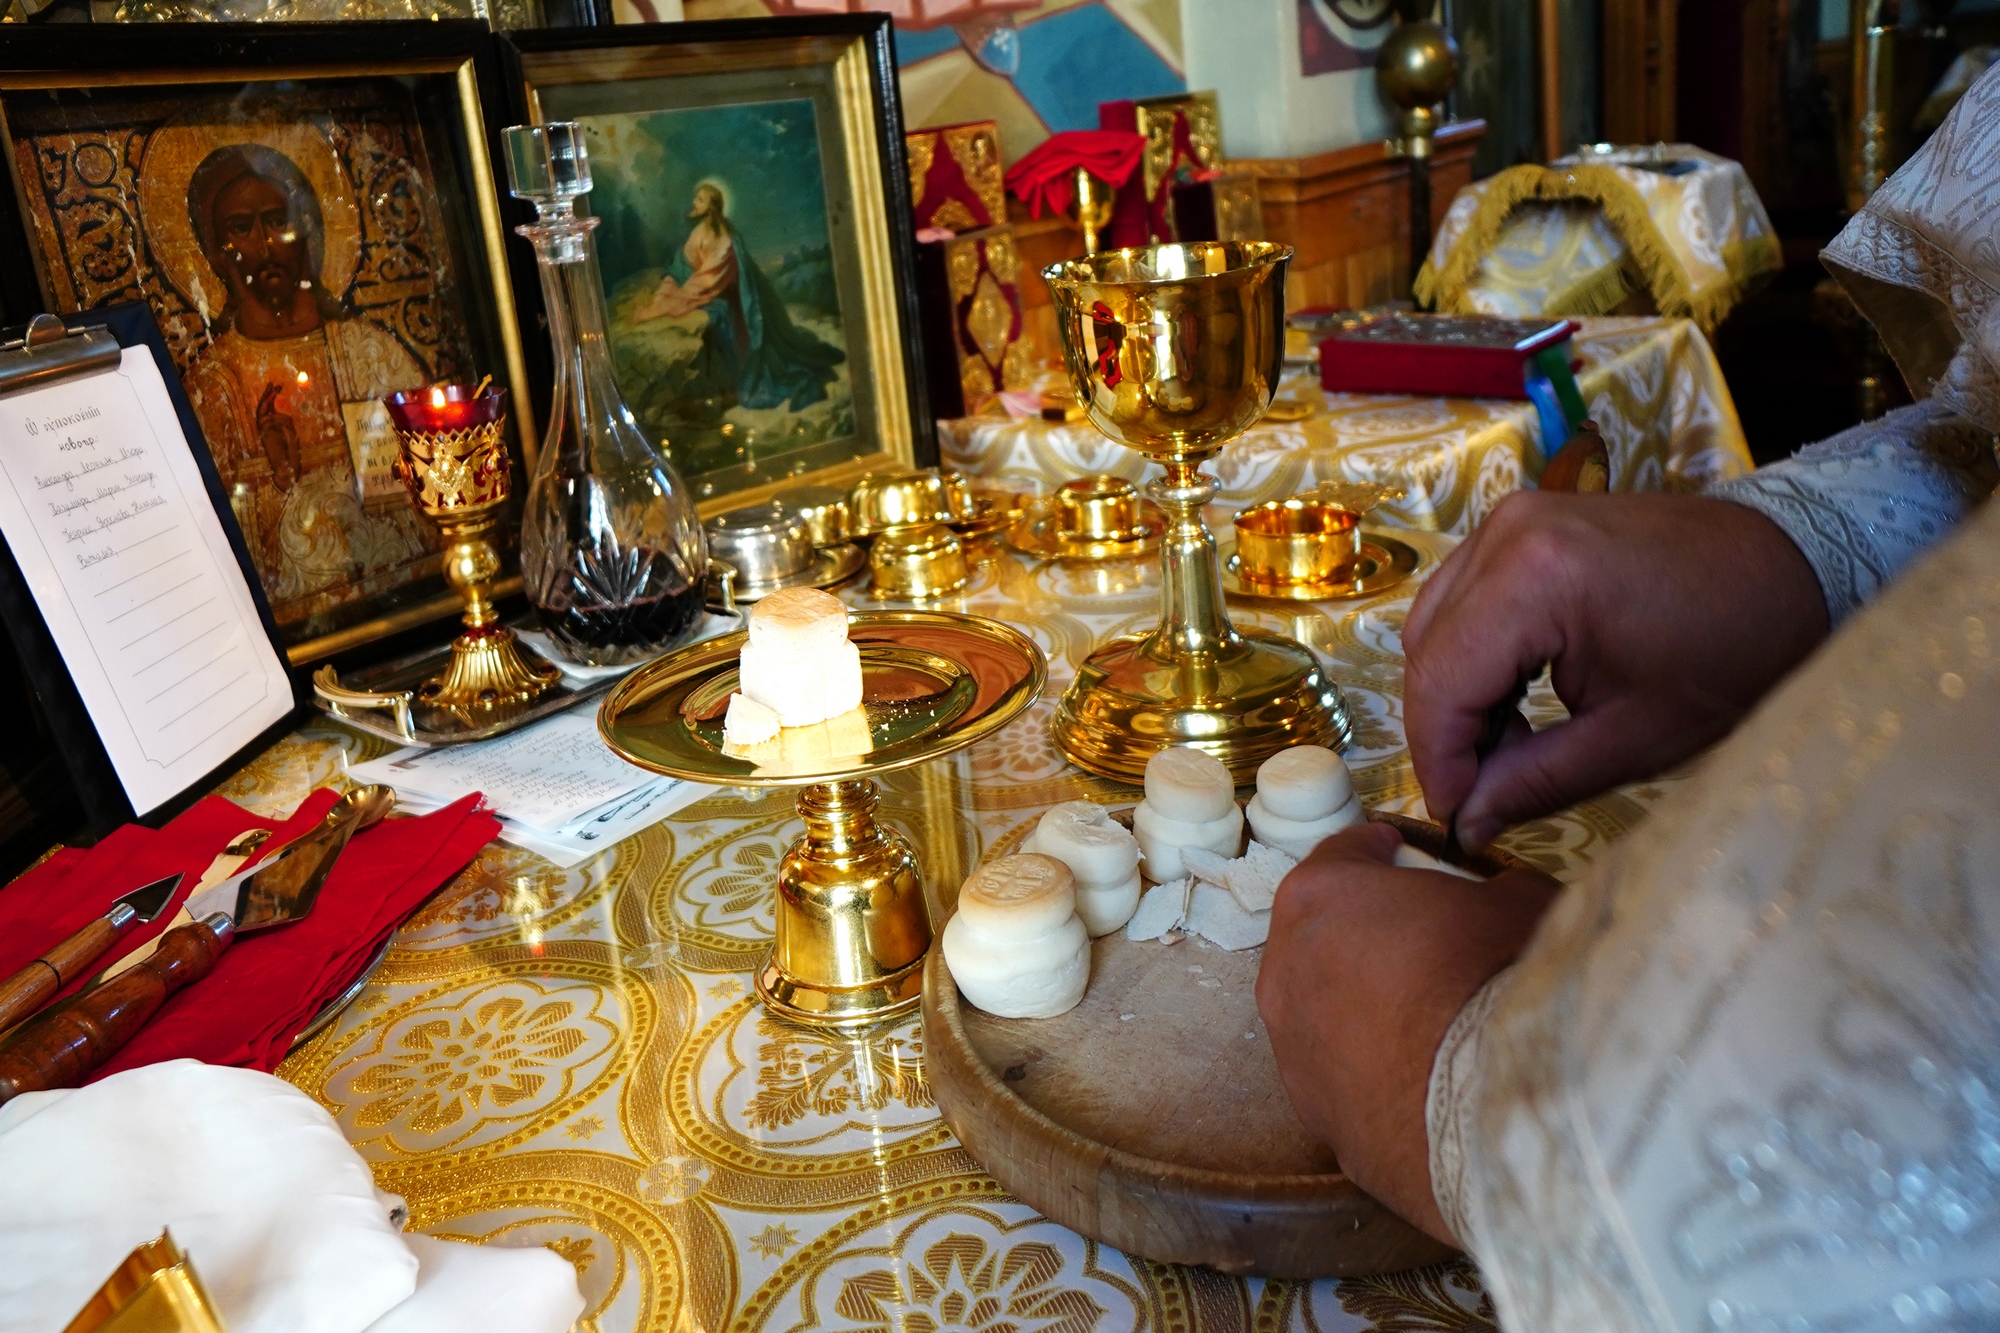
point(574, 1058)
point(1652, 385)
point(1577, 236)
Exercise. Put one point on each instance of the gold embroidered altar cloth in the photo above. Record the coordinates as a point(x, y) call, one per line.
point(1652, 385)
point(574, 1059)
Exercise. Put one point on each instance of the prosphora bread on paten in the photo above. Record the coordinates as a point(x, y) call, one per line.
point(798, 661)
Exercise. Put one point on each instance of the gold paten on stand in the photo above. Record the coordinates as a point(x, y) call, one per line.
point(852, 924)
point(1175, 350)
point(459, 479)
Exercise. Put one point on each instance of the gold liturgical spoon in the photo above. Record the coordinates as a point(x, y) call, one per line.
point(1174, 350)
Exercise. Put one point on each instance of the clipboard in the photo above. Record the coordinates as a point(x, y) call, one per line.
point(76, 517)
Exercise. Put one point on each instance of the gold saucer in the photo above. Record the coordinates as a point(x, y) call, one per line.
point(993, 514)
point(831, 565)
point(1384, 563)
point(1036, 534)
point(851, 928)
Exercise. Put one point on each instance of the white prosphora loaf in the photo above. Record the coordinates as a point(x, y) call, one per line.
point(1161, 840)
point(1190, 802)
point(797, 661)
point(1305, 783)
point(1101, 853)
point(1016, 947)
point(1188, 785)
point(1295, 837)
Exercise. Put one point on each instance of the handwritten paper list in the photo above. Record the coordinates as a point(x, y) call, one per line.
point(104, 510)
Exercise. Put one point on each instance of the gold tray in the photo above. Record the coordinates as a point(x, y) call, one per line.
point(1036, 535)
point(1385, 562)
point(931, 681)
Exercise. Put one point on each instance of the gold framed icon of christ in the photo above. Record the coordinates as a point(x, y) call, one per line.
point(313, 221)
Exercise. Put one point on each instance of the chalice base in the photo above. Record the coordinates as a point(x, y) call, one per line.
point(852, 927)
point(1242, 704)
point(489, 669)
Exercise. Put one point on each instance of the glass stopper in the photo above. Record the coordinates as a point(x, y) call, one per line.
point(547, 164)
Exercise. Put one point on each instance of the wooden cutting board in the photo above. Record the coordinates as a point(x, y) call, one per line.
point(1151, 1116)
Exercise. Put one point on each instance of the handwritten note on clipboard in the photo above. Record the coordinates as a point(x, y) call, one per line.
point(115, 532)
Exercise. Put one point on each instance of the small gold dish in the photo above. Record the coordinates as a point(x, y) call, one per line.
point(916, 564)
point(884, 500)
point(825, 510)
point(1099, 509)
point(1384, 563)
point(1283, 542)
point(1287, 408)
point(1091, 518)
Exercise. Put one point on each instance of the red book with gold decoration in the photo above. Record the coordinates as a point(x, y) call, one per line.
point(1447, 356)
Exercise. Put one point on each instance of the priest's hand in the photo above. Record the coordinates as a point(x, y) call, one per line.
point(1365, 969)
point(1664, 618)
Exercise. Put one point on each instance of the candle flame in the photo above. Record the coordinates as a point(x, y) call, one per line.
point(437, 396)
point(304, 378)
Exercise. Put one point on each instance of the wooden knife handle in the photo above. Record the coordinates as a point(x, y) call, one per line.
point(30, 988)
point(57, 1049)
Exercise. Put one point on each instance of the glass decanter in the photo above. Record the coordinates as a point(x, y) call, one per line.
point(612, 550)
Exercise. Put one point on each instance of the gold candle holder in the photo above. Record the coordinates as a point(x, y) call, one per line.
point(1174, 350)
point(453, 461)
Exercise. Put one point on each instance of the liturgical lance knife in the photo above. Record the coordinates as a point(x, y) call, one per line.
point(59, 1047)
point(30, 988)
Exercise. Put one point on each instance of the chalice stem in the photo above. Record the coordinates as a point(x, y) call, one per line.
point(1193, 622)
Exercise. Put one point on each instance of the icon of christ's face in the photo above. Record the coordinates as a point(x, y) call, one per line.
point(262, 247)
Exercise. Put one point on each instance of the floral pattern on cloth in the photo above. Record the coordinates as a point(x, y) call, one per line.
point(1695, 241)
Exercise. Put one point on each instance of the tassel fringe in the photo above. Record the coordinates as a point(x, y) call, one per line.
point(1448, 289)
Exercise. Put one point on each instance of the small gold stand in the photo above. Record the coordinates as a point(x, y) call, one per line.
point(852, 924)
point(852, 927)
point(1175, 350)
point(459, 479)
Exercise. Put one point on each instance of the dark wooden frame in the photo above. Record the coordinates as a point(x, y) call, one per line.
point(105, 803)
point(875, 29)
point(99, 54)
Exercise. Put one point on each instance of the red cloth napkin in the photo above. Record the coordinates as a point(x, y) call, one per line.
point(1047, 174)
point(268, 985)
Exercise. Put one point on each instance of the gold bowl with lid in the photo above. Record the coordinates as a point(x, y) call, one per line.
point(918, 563)
point(884, 500)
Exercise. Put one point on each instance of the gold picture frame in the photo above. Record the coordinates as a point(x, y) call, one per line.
point(830, 82)
point(365, 145)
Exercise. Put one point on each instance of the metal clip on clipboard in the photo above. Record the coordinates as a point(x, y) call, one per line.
point(50, 351)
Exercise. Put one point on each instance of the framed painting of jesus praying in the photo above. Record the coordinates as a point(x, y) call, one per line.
point(754, 241)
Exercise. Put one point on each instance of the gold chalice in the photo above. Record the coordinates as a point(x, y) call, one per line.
point(453, 461)
point(1174, 350)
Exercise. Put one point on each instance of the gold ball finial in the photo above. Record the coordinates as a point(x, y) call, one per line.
point(1417, 65)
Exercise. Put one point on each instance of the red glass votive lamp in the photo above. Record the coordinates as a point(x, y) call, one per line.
point(452, 451)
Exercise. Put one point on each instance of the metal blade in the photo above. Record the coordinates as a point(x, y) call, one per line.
point(284, 886)
point(149, 900)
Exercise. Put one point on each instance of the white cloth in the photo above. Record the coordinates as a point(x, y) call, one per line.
point(276, 1211)
point(1747, 1075)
